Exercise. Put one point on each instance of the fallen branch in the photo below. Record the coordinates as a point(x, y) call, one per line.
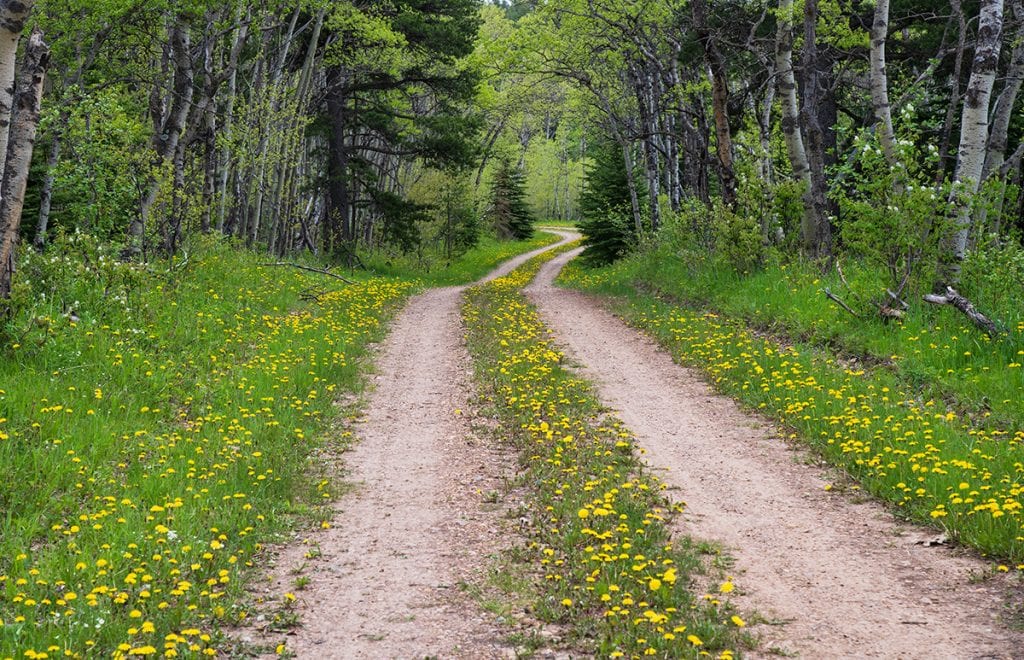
point(834, 298)
point(966, 307)
point(310, 269)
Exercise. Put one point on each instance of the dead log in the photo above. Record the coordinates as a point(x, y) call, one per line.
point(310, 269)
point(965, 306)
point(837, 300)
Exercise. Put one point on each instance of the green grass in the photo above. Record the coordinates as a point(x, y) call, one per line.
point(157, 425)
point(934, 350)
point(599, 538)
point(881, 418)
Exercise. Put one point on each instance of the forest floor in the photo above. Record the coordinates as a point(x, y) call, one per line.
point(824, 571)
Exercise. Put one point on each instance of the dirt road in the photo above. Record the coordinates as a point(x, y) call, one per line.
point(830, 577)
point(835, 578)
point(386, 582)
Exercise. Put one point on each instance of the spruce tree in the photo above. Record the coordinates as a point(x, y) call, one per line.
point(509, 214)
point(607, 225)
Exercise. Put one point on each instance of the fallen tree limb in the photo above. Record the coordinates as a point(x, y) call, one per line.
point(965, 306)
point(837, 300)
point(310, 269)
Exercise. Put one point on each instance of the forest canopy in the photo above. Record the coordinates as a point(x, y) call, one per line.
point(888, 132)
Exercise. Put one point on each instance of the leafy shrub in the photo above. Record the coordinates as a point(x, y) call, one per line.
point(738, 239)
point(893, 216)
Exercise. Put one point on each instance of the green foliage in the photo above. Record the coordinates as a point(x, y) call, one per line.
point(399, 220)
point(993, 278)
point(79, 275)
point(787, 212)
point(103, 165)
point(606, 211)
point(738, 239)
point(509, 214)
point(457, 219)
point(894, 216)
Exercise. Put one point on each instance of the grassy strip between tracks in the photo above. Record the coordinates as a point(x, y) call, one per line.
point(912, 451)
point(599, 530)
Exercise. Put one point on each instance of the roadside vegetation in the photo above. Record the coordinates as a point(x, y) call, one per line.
point(598, 522)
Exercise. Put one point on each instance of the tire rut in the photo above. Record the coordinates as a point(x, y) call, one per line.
point(386, 582)
point(842, 577)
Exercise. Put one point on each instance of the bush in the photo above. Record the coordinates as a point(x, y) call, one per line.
point(738, 239)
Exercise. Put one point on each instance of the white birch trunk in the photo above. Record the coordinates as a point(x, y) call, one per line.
point(13, 14)
point(790, 109)
point(24, 124)
point(1002, 113)
point(880, 82)
point(974, 131)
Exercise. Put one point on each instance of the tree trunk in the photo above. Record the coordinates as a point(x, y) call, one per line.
point(23, 126)
point(1002, 113)
point(634, 198)
point(46, 194)
point(13, 14)
point(817, 229)
point(973, 135)
point(880, 82)
point(719, 101)
point(338, 231)
point(168, 133)
point(791, 112)
point(954, 94)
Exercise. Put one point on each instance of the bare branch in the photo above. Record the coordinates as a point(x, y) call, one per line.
point(310, 269)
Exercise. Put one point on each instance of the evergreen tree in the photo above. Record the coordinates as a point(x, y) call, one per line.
point(509, 214)
point(607, 227)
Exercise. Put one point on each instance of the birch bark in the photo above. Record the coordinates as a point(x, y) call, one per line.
point(880, 82)
point(13, 14)
point(973, 134)
point(790, 107)
point(24, 124)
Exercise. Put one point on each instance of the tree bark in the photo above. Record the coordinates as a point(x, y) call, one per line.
point(719, 101)
point(46, 193)
point(973, 135)
point(791, 111)
point(954, 95)
point(1002, 113)
point(338, 230)
point(169, 128)
point(951, 297)
point(817, 229)
point(13, 14)
point(22, 136)
point(880, 82)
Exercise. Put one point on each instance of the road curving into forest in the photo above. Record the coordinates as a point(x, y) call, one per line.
point(386, 581)
point(831, 576)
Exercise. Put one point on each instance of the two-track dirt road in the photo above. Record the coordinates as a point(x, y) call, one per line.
point(834, 578)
